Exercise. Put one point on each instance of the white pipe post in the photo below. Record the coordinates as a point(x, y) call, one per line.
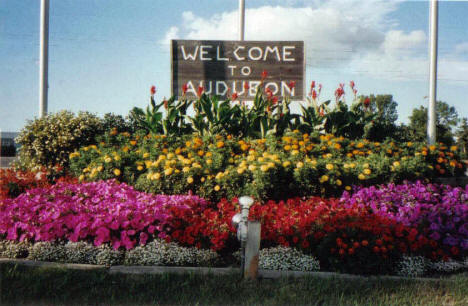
point(431, 121)
point(44, 58)
point(241, 19)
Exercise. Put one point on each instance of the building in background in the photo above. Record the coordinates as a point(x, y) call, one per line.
point(8, 148)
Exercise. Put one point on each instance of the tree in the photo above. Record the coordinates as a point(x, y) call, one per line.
point(384, 109)
point(462, 136)
point(446, 118)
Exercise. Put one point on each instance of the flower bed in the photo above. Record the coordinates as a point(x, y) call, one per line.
point(272, 168)
point(439, 212)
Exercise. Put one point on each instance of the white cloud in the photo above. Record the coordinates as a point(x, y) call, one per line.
point(349, 35)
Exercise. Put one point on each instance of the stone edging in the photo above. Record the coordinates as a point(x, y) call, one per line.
point(265, 274)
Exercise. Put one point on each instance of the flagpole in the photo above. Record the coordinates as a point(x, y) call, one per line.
point(241, 19)
point(431, 122)
point(44, 58)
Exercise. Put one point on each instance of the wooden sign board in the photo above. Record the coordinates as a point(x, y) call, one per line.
point(225, 67)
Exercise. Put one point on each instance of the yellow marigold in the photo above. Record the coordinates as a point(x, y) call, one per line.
point(240, 170)
point(396, 163)
point(323, 178)
point(220, 144)
point(361, 176)
point(299, 165)
point(209, 161)
point(117, 157)
point(453, 148)
point(252, 167)
point(156, 176)
point(348, 188)
point(409, 143)
point(367, 171)
point(168, 171)
point(264, 168)
point(294, 152)
point(140, 167)
point(349, 154)
point(287, 147)
point(295, 147)
point(146, 155)
point(337, 146)
point(107, 159)
point(244, 147)
point(202, 179)
point(133, 142)
point(286, 163)
point(250, 158)
point(125, 149)
point(432, 148)
point(81, 177)
point(360, 145)
point(352, 165)
point(260, 159)
point(217, 188)
point(329, 166)
point(190, 180)
point(116, 172)
point(99, 168)
point(339, 182)
point(365, 165)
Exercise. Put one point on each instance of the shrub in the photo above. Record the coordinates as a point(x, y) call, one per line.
point(412, 266)
point(47, 251)
point(48, 141)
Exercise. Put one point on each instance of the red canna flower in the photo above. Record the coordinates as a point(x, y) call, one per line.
point(200, 90)
point(234, 96)
point(246, 86)
point(312, 85)
point(314, 94)
point(165, 103)
point(291, 85)
point(184, 88)
point(274, 100)
point(366, 102)
point(351, 84)
point(264, 75)
point(339, 92)
point(153, 90)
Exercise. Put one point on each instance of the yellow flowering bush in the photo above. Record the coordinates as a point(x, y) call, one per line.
point(295, 164)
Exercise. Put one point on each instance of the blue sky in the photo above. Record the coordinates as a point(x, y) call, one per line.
point(104, 55)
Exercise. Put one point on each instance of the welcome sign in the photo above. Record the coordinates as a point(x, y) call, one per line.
point(226, 67)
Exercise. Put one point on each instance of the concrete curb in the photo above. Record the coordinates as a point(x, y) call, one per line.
point(264, 274)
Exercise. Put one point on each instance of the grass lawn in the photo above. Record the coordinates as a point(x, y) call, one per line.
point(31, 285)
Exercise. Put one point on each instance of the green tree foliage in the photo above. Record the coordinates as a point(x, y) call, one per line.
point(462, 136)
point(446, 119)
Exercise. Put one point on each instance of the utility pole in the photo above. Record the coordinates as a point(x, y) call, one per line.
point(241, 19)
point(44, 58)
point(431, 122)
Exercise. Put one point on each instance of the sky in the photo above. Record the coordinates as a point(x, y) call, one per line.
point(104, 55)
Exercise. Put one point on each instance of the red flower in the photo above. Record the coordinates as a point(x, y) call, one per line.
point(312, 85)
point(153, 90)
point(291, 85)
point(234, 96)
point(339, 92)
point(165, 104)
point(376, 249)
point(264, 75)
point(342, 252)
point(246, 86)
point(350, 251)
point(365, 243)
point(184, 88)
point(200, 90)
point(367, 102)
point(314, 94)
point(454, 250)
point(351, 84)
point(274, 100)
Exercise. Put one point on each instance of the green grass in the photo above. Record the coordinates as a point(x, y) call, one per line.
point(31, 285)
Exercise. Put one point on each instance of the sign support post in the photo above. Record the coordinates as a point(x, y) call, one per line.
point(241, 19)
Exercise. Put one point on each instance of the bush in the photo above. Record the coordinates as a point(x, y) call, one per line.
point(48, 141)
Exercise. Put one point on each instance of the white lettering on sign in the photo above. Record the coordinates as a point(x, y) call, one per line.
point(221, 92)
point(204, 52)
point(287, 53)
point(274, 86)
point(232, 67)
point(271, 50)
point(259, 54)
point(246, 70)
point(253, 87)
point(218, 56)
point(236, 55)
point(190, 88)
point(191, 56)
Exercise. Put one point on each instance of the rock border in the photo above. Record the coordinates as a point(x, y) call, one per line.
point(263, 274)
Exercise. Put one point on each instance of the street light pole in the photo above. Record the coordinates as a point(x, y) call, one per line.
point(241, 19)
point(431, 122)
point(44, 58)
